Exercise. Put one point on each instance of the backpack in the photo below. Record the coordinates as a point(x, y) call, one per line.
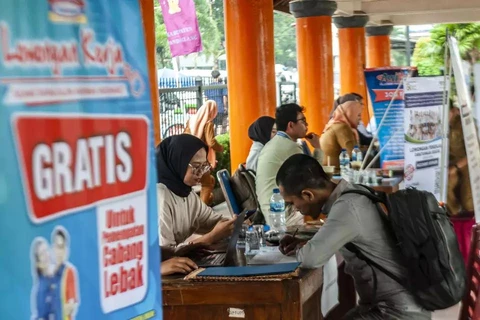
point(243, 186)
point(426, 240)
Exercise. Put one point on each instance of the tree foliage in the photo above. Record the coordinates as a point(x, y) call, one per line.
point(429, 53)
point(285, 39)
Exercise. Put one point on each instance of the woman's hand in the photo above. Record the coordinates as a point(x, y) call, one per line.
point(177, 265)
point(221, 230)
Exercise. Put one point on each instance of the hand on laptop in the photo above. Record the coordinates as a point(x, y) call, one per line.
point(222, 230)
point(289, 245)
point(177, 265)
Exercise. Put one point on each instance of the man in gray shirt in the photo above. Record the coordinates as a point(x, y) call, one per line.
point(351, 218)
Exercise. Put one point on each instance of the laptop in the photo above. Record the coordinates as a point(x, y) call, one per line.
point(227, 258)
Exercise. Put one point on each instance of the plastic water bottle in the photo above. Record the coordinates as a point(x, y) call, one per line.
point(277, 212)
point(357, 154)
point(344, 160)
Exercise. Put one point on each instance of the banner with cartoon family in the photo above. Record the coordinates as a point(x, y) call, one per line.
point(77, 182)
point(424, 100)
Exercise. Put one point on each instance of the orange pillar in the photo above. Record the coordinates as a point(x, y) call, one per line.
point(351, 39)
point(315, 59)
point(378, 46)
point(251, 69)
point(147, 8)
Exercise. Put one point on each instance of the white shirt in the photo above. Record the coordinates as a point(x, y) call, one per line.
point(180, 217)
point(253, 155)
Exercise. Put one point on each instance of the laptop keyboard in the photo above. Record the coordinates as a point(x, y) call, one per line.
point(214, 260)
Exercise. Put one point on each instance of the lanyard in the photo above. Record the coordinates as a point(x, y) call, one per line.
point(304, 146)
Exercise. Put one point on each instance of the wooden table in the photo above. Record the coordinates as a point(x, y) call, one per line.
point(292, 299)
point(389, 185)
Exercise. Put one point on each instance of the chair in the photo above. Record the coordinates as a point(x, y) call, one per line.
point(224, 180)
point(470, 303)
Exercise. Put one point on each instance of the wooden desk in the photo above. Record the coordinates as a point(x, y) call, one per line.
point(292, 299)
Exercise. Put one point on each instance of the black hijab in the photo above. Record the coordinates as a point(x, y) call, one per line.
point(261, 129)
point(173, 156)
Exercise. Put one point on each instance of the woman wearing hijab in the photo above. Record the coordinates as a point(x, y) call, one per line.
point(181, 162)
point(201, 125)
point(341, 131)
point(261, 131)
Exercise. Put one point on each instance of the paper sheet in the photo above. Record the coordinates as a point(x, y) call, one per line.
point(271, 256)
point(330, 286)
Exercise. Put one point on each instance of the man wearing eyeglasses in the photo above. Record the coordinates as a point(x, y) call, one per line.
point(291, 127)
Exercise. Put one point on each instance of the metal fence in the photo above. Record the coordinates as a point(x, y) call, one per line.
point(181, 98)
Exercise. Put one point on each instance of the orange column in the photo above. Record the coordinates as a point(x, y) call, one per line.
point(147, 7)
point(315, 59)
point(251, 69)
point(378, 46)
point(352, 55)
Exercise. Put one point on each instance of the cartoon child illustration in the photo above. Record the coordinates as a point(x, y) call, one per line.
point(174, 6)
point(41, 293)
point(55, 291)
point(64, 279)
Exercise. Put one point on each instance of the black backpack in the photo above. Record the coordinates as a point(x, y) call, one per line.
point(427, 241)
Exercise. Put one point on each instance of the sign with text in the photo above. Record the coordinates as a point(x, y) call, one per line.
point(382, 84)
point(181, 22)
point(424, 98)
point(78, 215)
point(468, 123)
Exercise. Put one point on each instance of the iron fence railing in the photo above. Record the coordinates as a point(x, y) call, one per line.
point(179, 99)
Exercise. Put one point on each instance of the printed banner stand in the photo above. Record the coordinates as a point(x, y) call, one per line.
point(424, 99)
point(469, 132)
point(77, 181)
point(383, 88)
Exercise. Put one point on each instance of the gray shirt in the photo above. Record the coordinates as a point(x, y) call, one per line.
point(354, 218)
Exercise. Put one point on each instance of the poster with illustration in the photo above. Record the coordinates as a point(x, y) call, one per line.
point(78, 209)
point(424, 99)
point(385, 89)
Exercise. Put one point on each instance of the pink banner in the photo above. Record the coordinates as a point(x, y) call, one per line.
point(182, 26)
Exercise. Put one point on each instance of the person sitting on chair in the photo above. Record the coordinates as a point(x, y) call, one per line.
point(181, 163)
point(351, 218)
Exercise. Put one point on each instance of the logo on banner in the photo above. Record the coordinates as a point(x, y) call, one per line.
point(118, 80)
point(97, 158)
point(67, 11)
point(181, 23)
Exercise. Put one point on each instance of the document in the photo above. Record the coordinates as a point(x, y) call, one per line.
point(271, 255)
point(330, 286)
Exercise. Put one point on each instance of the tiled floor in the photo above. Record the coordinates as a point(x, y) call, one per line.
point(448, 314)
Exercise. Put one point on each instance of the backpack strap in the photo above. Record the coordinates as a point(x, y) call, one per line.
point(372, 195)
point(354, 249)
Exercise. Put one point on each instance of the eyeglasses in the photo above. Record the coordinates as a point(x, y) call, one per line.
point(200, 169)
point(304, 120)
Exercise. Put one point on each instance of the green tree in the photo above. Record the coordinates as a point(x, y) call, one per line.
point(208, 30)
point(285, 39)
point(426, 58)
point(430, 53)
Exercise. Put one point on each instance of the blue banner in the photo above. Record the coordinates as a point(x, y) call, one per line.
point(77, 181)
point(382, 84)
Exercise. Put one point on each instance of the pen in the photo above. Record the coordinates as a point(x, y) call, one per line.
point(295, 233)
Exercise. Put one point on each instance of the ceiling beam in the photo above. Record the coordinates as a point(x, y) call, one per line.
point(395, 7)
point(431, 18)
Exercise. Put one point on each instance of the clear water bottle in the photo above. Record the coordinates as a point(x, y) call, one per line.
point(357, 154)
point(344, 160)
point(277, 212)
